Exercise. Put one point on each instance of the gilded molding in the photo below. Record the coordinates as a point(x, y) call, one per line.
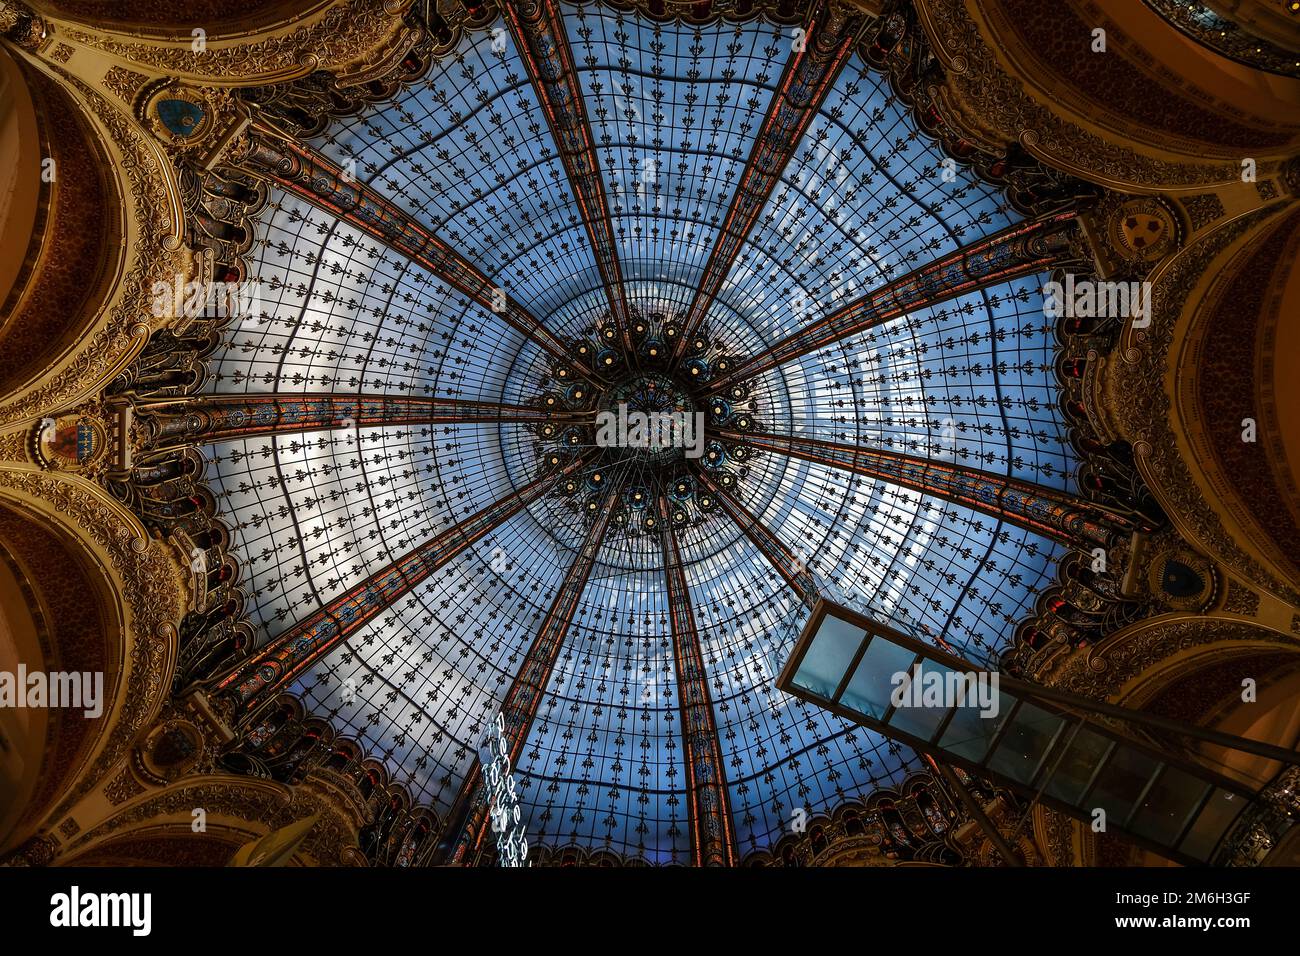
point(149, 582)
point(273, 805)
point(13, 447)
point(1062, 839)
point(1142, 405)
point(124, 329)
point(353, 38)
point(981, 97)
point(22, 25)
point(1101, 671)
point(124, 83)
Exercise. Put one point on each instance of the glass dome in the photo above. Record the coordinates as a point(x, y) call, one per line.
point(674, 112)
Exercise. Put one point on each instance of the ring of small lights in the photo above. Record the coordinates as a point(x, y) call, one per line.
point(634, 366)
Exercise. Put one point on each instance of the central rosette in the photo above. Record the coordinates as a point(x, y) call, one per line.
point(665, 436)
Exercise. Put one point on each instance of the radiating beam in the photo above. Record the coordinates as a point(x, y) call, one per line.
point(306, 173)
point(783, 561)
point(519, 709)
point(539, 34)
point(1016, 251)
point(713, 839)
point(263, 675)
point(1047, 511)
point(214, 418)
point(830, 34)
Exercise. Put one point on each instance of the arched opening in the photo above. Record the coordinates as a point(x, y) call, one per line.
point(216, 16)
point(58, 628)
point(54, 272)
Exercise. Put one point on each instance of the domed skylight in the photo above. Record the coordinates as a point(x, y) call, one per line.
point(674, 113)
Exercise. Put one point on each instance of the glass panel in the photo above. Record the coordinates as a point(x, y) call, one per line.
point(1212, 823)
point(925, 701)
point(1022, 747)
point(973, 728)
point(1071, 776)
point(873, 680)
point(1121, 783)
point(1168, 806)
point(830, 655)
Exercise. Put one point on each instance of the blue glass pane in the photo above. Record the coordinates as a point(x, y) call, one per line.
point(924, 700)
point(1071, 776)
point(1021, 750)
point(883, 669)
point(1121, 782)
point(1168, 806)
point(1212, 823)
point(973, 727)
point(829, 656)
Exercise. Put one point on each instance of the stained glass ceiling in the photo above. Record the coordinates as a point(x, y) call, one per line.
point(674, 112)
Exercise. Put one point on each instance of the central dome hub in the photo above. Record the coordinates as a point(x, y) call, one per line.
point(652, 416)
point(638, 414)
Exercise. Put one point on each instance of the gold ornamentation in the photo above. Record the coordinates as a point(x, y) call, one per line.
point(124, 83)
point(14, 445)
point(1140, 402)
point(1241, 600)
point(979, 97)
point(151, 587)
point(125, 330)
point(21, 25)
point(1143, 230)
point(1203, 210)
point(171, 750)
point(350, 33)
point(265, 803)
point(1066, 842)
point(178, 114)
point(1163, 576)
point(76, 442)
point(123, 787)
point(1101, 671)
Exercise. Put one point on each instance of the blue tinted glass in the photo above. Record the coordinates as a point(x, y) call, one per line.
point(883, 669)
point(829, 656)
point(1026, 741)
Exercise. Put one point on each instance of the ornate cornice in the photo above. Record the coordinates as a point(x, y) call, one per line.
point(331, 842)
point(1225, 366)
point(1141, 403)
point(353, 38)
point(1101, 672)
point(1226, 38)
point(980, 96)
point(122, 329)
